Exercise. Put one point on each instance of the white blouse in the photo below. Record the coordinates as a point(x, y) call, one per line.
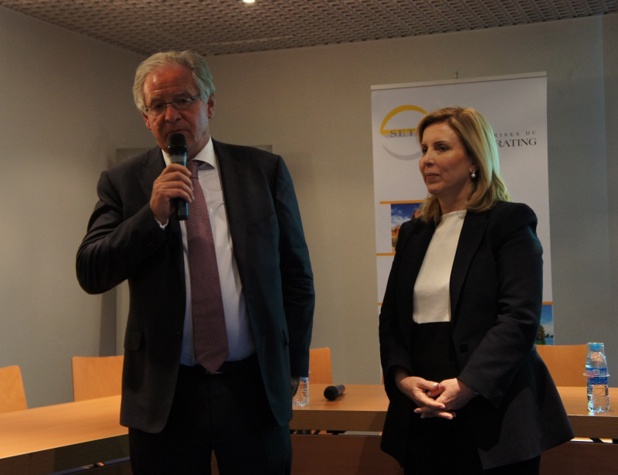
point(431, 290)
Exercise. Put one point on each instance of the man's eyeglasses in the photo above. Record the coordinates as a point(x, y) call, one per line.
point(180, 104)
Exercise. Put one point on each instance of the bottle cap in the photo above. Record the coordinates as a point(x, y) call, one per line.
point(596, 346)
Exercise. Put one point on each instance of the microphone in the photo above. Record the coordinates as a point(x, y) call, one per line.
point(333, 392)
point(178, 154)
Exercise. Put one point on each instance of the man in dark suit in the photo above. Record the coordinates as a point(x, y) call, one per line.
point(178, 412)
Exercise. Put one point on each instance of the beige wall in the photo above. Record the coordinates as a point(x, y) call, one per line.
point(313, 105)
point(69, 108)
point(65, 104)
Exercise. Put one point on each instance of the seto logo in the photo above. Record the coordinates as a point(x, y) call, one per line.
point(399, 136)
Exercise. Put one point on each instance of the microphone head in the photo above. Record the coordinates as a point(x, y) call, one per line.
point(178, 144)
point(333, 392)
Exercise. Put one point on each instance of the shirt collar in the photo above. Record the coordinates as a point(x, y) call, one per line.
point(206, 155)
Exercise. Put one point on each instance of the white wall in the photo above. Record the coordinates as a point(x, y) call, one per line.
point(611, 128)
point(66, 107)
point(313, 105)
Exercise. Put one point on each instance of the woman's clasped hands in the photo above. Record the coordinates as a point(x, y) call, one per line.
point(435, 399)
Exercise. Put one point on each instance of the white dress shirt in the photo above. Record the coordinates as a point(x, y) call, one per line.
point(240, 340)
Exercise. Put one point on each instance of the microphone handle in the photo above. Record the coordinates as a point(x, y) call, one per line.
point(182, 207)
point(333, 392)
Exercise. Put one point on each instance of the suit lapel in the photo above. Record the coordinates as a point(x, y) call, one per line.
point(418, 244)
point(471, 235)
point(152, 166)
point(413, 253)
point(232, 182)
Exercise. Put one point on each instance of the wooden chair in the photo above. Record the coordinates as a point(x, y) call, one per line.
point(96, 376)
point(565, 363)
point(12, 394)
point(320, 366)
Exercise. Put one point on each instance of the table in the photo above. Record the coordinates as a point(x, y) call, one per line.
point(47, 439)
point(602, 425)
point(363, 408)
point(52, 438)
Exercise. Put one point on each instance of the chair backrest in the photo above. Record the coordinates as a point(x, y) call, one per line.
point(565, 363)
point(320, 366)
point(96, 376)
point(12, 394)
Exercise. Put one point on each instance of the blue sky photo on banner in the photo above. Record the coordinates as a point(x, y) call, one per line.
point(515, 106)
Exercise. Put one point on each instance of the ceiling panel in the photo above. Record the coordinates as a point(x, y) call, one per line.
point(215, 27)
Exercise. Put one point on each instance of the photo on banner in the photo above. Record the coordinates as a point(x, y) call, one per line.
point(515, 106)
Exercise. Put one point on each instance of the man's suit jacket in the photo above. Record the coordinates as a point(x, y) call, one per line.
point(124, 241)
point(495, 299)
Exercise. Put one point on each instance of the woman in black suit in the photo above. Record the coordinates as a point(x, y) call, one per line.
point(467, 390)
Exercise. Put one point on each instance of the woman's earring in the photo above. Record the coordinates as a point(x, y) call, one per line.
point(473, 174)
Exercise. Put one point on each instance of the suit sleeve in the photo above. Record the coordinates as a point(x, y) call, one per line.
point(296, 273)
point(118, 239)
point(393, 349)
point(503, 348)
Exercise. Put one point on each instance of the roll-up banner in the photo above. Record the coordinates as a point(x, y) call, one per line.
point(516, 108)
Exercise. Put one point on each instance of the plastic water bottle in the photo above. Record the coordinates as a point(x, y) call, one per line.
point(301, 398)
point(596, 371)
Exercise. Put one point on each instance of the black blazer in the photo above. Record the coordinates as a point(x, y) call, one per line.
point(124, 241)
point(496, 296)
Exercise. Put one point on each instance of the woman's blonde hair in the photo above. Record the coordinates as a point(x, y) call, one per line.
point(477, 136)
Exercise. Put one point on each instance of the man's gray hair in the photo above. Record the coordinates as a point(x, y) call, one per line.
point(189, 59)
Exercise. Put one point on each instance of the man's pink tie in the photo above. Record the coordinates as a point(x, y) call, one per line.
point(209, 332)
